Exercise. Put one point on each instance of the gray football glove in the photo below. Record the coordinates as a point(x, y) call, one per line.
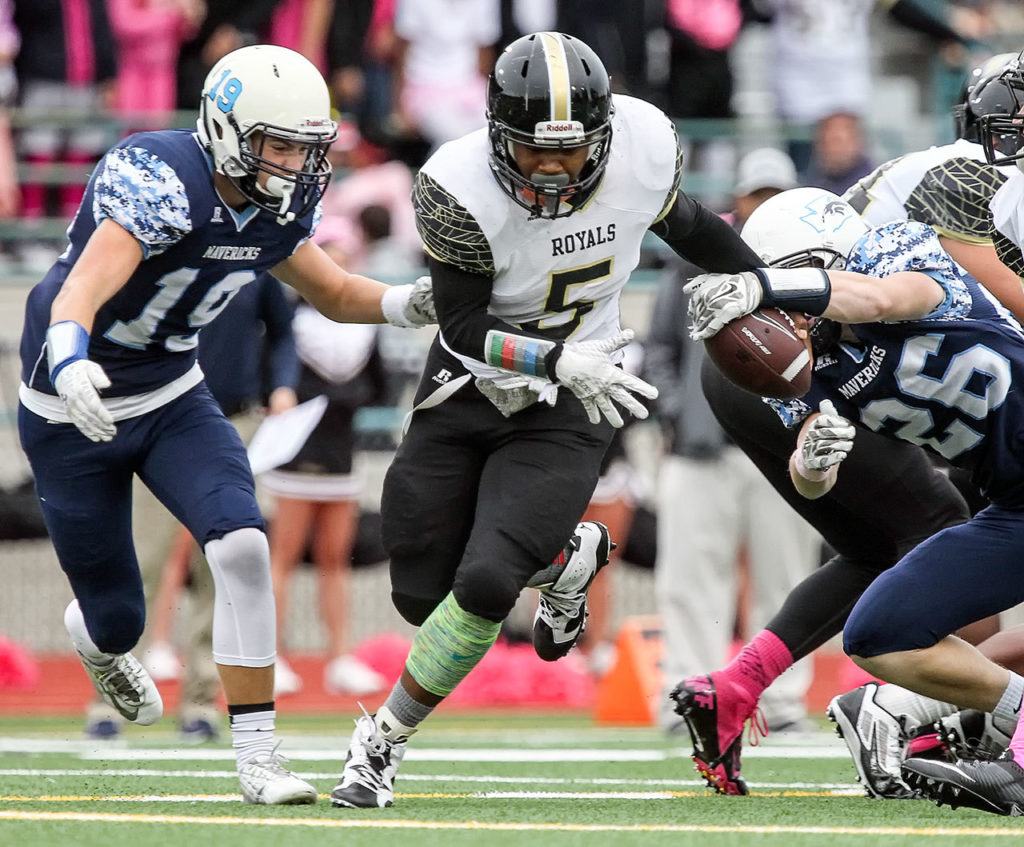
point(717, 299)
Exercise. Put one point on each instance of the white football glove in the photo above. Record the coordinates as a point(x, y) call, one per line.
point(829, 439)
point(410, 306)
point(78, 385)
point(717, 299)
point(586, 369)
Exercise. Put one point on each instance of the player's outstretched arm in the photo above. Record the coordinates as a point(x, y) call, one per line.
point(350, 298)
point(825, 439)
point(110, 257)
point(697, 234)
point(905, 296)
point(981, 262)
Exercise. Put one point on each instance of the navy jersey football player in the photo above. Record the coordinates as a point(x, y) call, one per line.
point(172, 225)
point(908, 346)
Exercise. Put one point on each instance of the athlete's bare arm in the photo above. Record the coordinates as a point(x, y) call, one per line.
point(904, 296)
point(338, 294)
point(982, 262)
point(110, 257)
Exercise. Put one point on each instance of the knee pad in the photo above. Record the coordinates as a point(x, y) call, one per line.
point(244, 631)
point(415, 610)
point(115, 625)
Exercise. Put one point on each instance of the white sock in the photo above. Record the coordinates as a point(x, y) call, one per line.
point(74, 623)
point(252, 734)
point(918, 710)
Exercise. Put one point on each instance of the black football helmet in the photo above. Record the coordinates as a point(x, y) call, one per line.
point(1001, 132)
point(983, 95)
point(549, 90)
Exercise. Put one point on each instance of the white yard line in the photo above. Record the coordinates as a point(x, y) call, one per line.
point(489, 779)
point(479, 826)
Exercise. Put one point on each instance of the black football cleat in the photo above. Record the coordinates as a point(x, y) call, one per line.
point(990, 786)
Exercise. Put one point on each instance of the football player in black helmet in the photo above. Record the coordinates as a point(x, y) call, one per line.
point(532, 227)
point(549, 91)
point(984, 95)
point(1000, 131)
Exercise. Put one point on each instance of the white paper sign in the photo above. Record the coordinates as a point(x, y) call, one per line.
point(281, 436)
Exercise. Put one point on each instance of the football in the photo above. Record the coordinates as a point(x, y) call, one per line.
point(762, 353)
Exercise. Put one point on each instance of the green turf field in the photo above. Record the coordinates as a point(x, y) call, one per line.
point(491, 780)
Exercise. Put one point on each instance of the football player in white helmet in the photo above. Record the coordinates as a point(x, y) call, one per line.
point(172, 224)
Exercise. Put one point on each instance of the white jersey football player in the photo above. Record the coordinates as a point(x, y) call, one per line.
point(532, 226)
point(952, 189)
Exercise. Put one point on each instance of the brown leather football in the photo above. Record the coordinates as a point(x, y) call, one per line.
point(762, 353)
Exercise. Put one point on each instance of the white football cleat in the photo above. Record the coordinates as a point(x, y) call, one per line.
point(124, 684)
point(349, 675)
point(267, 782)
point(876, 740)
point(562, 609)
point(374, 755)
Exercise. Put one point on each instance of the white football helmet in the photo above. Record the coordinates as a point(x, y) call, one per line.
point(266, 91)
point(804, 227)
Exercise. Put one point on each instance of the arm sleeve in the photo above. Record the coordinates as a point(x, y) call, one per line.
point(142, 193)
point(277, 313)
point(462, 271)
point(461, 299)
point(700, 236)
point(928, 16)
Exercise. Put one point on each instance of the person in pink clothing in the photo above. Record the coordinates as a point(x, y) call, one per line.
point(301, 25)
point(148, 34)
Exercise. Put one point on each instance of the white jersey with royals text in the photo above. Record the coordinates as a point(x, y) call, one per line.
point(559, 277)
point(949, 188)
point(1008, 214)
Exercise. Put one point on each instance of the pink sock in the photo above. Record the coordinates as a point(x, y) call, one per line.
point(759, 663)
point(1017, 743)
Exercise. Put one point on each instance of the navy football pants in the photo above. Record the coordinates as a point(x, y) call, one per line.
point(187, 454)
point(959, 576)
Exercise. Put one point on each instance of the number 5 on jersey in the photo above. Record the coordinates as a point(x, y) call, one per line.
point(558, 298)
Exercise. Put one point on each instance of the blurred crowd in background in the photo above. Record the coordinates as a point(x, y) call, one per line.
point(768, 95)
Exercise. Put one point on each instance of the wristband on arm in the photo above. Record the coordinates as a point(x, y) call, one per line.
point(520, 353)
point(66, 342)
point(806, 290)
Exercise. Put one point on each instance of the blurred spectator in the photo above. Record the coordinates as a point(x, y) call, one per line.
point(444, 53)
point(66, 66)
point(822, 53)
point(761, 174)
point(521, 17)
point(702, 33)
point(226, 26)
point(302, 25)
point(149, 33)
point(10, 193)
point(617, 32)
point(384, 256)
point(317, 491)
point(713, 502)
point(839, 157)
point(368, 180)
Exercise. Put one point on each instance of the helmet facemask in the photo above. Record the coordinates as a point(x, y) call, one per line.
point(545, 195)
point(289, 193)
point(1002, 135)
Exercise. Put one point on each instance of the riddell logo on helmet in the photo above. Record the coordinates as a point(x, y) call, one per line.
point(560, 130)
